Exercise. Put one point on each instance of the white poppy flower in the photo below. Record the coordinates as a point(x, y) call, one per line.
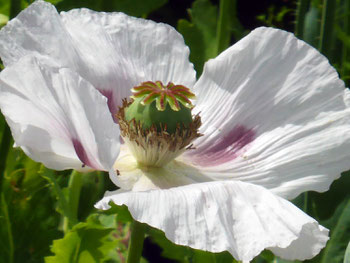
point(275, 123)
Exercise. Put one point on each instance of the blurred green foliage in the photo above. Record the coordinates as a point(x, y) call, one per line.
point(130, 7)
point(200, 32)
point(33, 199)
point(28, 218)
point(202, 35)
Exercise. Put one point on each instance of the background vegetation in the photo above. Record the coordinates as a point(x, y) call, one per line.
point(34, 200)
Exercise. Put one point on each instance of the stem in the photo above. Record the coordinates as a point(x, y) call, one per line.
point(306, 200)
point(6, 142)
point(303, 6)
point(237, 28)
point(223, 28)
point(9, 228)
point(327, 21)
point(15, 8)
point(136, 242)
point(74, 188)
point(6, 139)
point(346, 49)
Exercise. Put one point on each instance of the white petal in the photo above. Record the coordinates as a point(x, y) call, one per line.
point(241, 218)
point(37, 30)
point(57, 117)
point(114, 52)
point(274, 113)
point(128, 174)
point(140, 49)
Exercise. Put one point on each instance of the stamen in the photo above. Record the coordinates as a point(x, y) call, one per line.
point(155, 146)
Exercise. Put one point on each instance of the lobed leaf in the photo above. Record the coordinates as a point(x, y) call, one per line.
point(86, 242)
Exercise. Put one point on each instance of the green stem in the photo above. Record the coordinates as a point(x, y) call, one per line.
point(5, 145)
point(15, 8)
point(303, 6)
point(74, 188)
point(223, 33)
point(9, 227)
point(136, 242)
point(6, 140)
point(327, 21)
point(306, 200)
point(237, 28)
point(346, 50)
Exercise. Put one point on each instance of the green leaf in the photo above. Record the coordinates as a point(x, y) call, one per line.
point(345, 39)
point(92, 191)
point(121, 234)
point(140, 8)
point(208, 257)
point(324, 204)
point(86, 242)
point(339, 225)
point(63, 206)
point(275, 16)
point(200, 32)
point(347, 254)
point(122, 212)
point(312, 26)
point(205, 35)
point(5, 7)
point(54, 2)
point(170, 250)
point(340, 233)
point(3, 20)
point(279, 260)
point(27, 212)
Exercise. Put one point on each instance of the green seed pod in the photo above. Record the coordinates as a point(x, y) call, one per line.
point(149, 114)
point(163, 106)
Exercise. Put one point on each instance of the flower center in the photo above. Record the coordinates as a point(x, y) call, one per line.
point(157, 123)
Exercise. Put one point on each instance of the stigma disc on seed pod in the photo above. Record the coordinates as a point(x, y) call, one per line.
point(166, 107)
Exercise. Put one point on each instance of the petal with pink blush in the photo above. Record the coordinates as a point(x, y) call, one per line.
point(224, 148)
point(274, 113)
point(113, 51)
point(57, 117)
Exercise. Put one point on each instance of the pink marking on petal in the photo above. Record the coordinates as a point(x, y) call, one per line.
point(82, 155)
point(226, 148)
point(113, 108)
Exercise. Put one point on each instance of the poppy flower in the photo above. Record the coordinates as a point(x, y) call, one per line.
point(274, 117)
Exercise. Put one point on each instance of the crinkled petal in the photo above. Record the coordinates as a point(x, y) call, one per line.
point(113, 51)
point(144, 50)
point(239, 217)
point(274, 113)
point(38, 30)
point(57, 117)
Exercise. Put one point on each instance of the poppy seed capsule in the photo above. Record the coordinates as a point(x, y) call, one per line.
point(165, 107)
